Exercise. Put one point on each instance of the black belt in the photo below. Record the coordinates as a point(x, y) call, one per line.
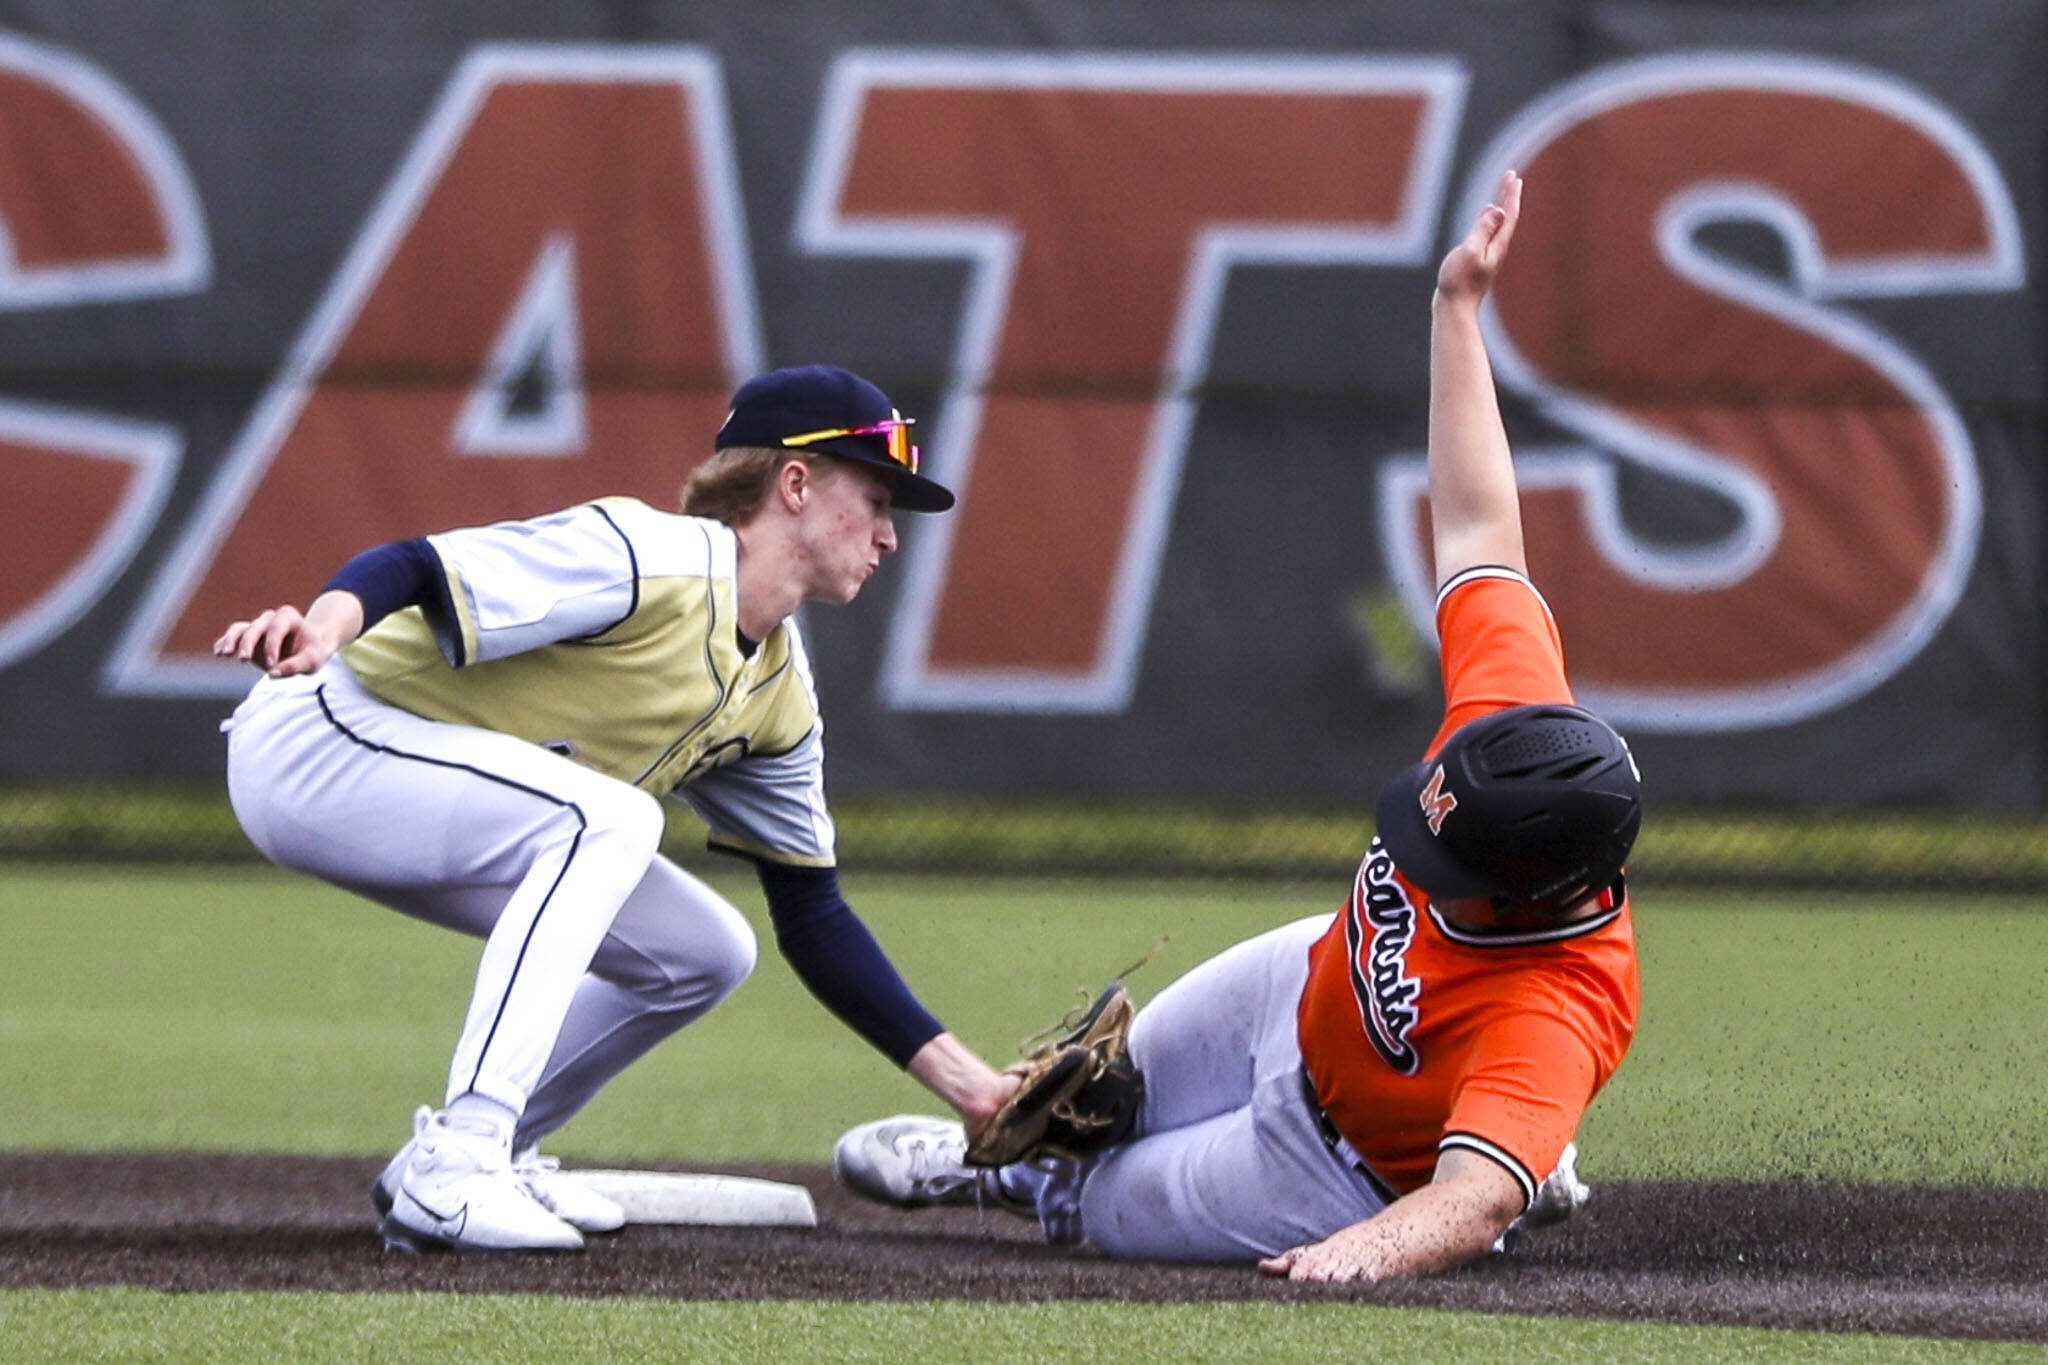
point(1334, 1140)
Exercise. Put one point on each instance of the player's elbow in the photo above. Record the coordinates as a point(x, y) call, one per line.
point(1475, 1234)
point(1495, 1203)
point(1495, 1217)
point(1480, 1201)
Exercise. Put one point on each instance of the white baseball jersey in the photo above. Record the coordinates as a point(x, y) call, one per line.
point(607, 632)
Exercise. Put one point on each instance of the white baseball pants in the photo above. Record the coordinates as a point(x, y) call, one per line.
point(595, 947)
point(1228, 1162)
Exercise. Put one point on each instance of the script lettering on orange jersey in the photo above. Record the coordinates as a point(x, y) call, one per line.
point(1387, 997)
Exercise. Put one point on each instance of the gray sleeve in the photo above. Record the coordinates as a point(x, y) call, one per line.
point(769, 807)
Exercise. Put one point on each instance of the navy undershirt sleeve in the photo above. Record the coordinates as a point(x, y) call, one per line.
point(836, 957)
point(403, 573)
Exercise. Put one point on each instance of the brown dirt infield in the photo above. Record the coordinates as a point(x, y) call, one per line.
point(1966, 1263)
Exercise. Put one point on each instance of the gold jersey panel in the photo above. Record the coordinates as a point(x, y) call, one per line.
point(661, 699)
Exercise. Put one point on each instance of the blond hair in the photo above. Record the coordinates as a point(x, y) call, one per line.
point(732, 485)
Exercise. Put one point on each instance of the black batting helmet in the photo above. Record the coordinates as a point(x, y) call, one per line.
point(1534, 805)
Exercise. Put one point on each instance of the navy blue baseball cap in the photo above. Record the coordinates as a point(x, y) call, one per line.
point(822, 407)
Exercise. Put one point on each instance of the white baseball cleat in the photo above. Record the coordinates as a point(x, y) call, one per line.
point(457, 1192)
point(1561, 1195)
point(542, 1177)
point(385, 1192)
point(913, 1162)
point(562, 1194)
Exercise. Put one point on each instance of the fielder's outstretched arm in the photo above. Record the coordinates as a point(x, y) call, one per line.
point(837, 958)
point(284, 641)
point(1474, 510)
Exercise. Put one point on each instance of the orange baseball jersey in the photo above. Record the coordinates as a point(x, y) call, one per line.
point(1419, 1036)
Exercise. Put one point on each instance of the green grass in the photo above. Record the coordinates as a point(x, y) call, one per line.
point(250, 1010)
point(140, 1325)
point(253, 1010)
point(1830, 1038)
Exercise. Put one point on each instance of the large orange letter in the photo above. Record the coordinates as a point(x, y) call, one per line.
point(95, 206)
point(552, 301)
point(1103, 201)
point(1852, 483)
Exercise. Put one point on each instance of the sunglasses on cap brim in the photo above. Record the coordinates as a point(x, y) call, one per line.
point(895, 433)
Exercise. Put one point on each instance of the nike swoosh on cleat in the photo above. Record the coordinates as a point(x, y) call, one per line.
point(450, 1224)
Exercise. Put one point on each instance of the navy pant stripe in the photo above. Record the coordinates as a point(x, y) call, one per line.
point(582, 824)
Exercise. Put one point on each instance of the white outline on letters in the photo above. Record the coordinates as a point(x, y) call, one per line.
point(151, 451)
point(542, 327)
point(991, 246)
point(1590, 469)
point(137, 664)
point(186, 265)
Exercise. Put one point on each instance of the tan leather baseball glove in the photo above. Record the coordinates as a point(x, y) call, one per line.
point(1081, 1090)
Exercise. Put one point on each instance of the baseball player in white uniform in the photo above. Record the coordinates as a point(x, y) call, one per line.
point(473, 728)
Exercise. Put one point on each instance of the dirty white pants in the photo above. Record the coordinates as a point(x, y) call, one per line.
point(1227, 1162)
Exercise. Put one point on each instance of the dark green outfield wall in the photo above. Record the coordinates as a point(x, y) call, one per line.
point(282, 281)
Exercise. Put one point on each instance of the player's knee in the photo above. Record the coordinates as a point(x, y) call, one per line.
point(729, 959)
point(722, 950)
point(629, 822)
point(702, 965)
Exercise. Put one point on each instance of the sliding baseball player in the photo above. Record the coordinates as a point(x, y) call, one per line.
point(1382, 1093)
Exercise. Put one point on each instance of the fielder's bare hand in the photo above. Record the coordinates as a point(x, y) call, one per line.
point(952, 1071)
point(1467, 273)
point(284, 641)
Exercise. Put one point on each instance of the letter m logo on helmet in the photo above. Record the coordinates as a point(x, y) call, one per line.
point(1548, 801)
point(1436, 802)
